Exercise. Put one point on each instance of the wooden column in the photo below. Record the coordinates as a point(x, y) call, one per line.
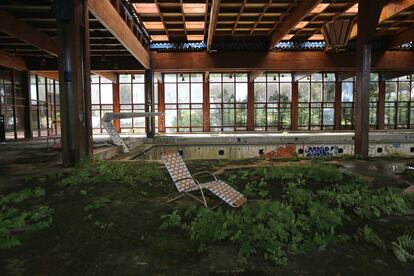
point(250, 106)
point(28, 129)
point(381, 103)
point(72, 18)
point(362, 100)
point(149, 103)
point(295, 109)
point(161, 107)
point(368, 14)
point(117, 106)
point(206, 105)
point(337, 104)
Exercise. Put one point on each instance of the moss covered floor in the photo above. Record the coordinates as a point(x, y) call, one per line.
point(112, 219)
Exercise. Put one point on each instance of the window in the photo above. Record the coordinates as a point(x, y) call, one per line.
point(316, 101)
point(132, 99)
point(11, 103)
point(273, 101)
point(102, 101)
point(228, 102)
point(347, 102)
point(183, 102)
point(45, 116)
point(398, 102)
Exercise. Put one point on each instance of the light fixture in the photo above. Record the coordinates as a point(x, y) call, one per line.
point(194, 8)
point(133, 76)
point(308, 78)
point(274, 78)
point(320, 8)
point(231, 76)
point(283, 75)
point(325, 76)
point(336, 33)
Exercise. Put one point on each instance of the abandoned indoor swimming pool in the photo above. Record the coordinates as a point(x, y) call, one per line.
point(207, 137)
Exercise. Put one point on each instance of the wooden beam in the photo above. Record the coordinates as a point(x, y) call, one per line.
point(401, 38)
point(392, 75)
point(54, 75)
point(107, 75)
point(214, 12)
point(24, 32)
point(345, 75)
point(292, 20)
point(291, 61)
point(12, 61)
point(369, 11)
point(109, 17)
point(254, 74)
point(302, 75)
point(392, 8)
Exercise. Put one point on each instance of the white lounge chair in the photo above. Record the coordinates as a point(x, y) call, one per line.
point(186, 183)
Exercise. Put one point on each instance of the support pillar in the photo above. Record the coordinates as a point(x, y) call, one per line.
point(149, 103)
point(161, 107)
point(295, 102)
point(250, 106)
point(381, 103)
point(337, 103)
point(27, 115)
point(206, 105)
point(117, 106)
point(368, 13)
point(362, 100)
point(72, 18)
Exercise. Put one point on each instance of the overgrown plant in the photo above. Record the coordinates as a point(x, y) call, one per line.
point(16, 219)
point(403, 248)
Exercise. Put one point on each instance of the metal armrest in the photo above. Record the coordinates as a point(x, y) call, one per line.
point(206, 172)
point(181, 179)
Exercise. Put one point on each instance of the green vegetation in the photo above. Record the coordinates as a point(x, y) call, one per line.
point(16, 219)
point(112, 218)
point(311, 213)
point(403, 248)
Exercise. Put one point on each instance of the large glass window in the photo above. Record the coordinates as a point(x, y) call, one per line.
point(102, 101)
point(11, 103)
point(132, 99)
point(228, 102)
point(316, 101)
point(347, 102)
point(45, 116)
point(183, 102)
point(398, 102)
point(273, 101)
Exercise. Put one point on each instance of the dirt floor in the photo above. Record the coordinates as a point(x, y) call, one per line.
point(122, 236)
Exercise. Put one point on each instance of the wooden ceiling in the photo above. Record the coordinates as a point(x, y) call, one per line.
point(250, 19)
point(180, 21)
